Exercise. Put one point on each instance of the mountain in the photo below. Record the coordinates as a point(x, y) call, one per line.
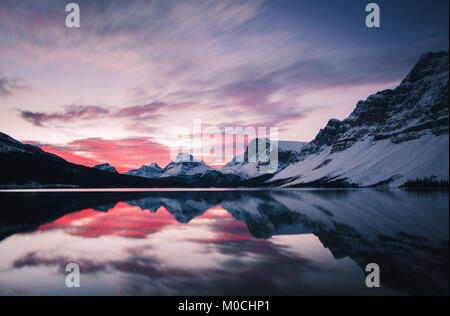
point(249, 165)
point(151, 171)
point(27, 166)
point(106, 167)
point(186, 171)
point(185, 165)
point(393, 137)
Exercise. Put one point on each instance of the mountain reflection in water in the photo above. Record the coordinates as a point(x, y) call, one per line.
point(225, 242)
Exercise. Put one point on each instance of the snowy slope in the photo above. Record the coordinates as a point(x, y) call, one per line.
point(185, 165)
point(151, 171)
point(393, 136)
point(106, 167)
point(249, 166)
point(10, 145)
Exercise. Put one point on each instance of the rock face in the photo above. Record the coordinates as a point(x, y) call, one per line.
point(151, 171)
point(393, 136)
point(106, 167)
point(249, 165)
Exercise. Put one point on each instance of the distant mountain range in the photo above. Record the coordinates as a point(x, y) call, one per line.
point(248, 167)
point(394, 137)
point(152, 171)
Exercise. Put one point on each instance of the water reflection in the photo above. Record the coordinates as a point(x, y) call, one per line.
point(225, 242)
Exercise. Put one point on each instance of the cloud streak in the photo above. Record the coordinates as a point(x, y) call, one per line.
point(81, 113)
point(71, 113)
point(9, 86)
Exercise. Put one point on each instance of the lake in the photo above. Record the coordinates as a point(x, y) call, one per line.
point(221, 242)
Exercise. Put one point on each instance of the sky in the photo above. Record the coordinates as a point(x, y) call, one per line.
point(116, 89)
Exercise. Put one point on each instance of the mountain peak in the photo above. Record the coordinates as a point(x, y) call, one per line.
point(395, 135)
point(6, 138)
point(151, 171)
point(185, 165)
point(106, 167)
point(155, 165)
point(248, 165)
point(185, 157)
point(103, 165)
point(429, 64)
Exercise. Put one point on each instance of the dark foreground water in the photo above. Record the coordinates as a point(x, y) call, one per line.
point(225, 242)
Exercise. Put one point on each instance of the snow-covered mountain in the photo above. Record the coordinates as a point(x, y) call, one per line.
point(392, 137)
point(248, 165)
point(152, 171)
point(185, 165)
point(106, 167)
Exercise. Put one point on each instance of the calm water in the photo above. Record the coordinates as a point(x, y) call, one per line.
point(225, 242)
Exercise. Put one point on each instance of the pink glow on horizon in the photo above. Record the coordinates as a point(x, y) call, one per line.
point(124, 155)
point(128, 154)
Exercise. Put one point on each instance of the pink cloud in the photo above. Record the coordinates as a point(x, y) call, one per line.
point(124, 154)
